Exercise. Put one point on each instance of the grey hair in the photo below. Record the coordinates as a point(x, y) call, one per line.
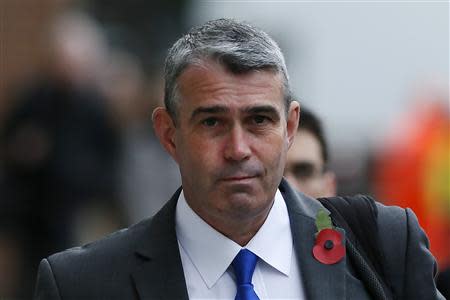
point(238, 46)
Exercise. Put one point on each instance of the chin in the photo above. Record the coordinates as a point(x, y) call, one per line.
point(245, 203)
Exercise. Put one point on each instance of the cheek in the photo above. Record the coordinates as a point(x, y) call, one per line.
point(278, 144)
point(272, 151)
point(197, 154)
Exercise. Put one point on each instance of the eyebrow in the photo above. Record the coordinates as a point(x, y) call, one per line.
point(218, 109)
point(268, 109)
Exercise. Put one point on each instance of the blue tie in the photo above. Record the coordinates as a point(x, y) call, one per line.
point(244, 264)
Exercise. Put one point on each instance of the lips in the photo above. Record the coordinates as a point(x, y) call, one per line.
point(238, 178)
point(239, 173)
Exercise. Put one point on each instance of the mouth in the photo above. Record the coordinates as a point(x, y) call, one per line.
point(238, 178)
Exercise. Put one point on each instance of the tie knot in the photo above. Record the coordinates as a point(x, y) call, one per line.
point(244, 264)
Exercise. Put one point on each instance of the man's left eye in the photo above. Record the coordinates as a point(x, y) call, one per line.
point(260, 119)
point(210, 122)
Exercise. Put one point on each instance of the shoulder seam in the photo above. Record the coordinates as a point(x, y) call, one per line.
point(54, 279)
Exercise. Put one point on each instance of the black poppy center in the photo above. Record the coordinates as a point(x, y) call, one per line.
point(328, 244)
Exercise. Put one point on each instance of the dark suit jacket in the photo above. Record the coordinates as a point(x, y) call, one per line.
point(143, 261)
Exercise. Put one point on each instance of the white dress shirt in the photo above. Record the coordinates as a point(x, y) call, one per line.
point(206, 255)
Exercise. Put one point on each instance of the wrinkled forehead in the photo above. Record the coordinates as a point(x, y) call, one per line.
point(212, 79)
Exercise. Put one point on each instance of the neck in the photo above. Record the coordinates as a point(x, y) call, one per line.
point(239, 227)
point(241, 232)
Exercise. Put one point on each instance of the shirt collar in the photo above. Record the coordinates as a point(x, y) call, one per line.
point(273, 242)
point(212, 253)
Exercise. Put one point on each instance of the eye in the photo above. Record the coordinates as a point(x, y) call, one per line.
point(303, 170)
point(259, 119)
point(210, 122)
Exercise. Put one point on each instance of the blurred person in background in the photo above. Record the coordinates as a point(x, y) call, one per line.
point(60, 150)
point(104, 73)
point(229, 121)
point(307, 159)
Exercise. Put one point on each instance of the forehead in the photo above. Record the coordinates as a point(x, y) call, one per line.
point(211, 83)
point(306, 147)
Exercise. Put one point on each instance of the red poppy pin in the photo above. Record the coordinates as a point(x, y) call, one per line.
point(328, 248)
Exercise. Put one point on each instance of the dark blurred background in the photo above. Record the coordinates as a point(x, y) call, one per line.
point(79, 80)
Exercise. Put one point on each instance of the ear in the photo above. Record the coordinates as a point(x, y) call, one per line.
point(292, 121)
point(165, 130)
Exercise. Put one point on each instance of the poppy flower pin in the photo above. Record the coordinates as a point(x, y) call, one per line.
point(328, 248)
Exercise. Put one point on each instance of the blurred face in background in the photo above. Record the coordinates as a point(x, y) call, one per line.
point(305, 167)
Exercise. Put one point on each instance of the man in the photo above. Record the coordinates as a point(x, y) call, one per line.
point(307, 159)
point(236, 229)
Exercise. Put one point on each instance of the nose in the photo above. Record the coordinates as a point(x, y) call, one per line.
point(237, 147)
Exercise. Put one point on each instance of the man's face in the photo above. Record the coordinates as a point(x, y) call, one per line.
point(231, 141)
point(305, 167)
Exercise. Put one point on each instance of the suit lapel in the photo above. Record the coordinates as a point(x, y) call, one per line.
point(160, 275)
point(320, 281)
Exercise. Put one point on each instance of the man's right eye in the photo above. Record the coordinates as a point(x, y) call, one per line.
point(210, 122)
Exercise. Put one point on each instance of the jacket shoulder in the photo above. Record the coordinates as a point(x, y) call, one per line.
point(105, 269)
point(409, 265)
point(116, 245)
point(99, 266)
